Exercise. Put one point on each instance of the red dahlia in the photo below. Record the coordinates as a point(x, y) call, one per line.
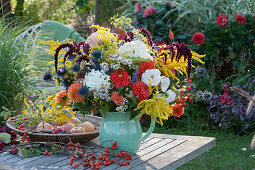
point(141, 90)
point(198, 38)
point(120, 78)
point(145, 65)
point(222, 20)
point(240, 19)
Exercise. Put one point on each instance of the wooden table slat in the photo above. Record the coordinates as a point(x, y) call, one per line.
point(160, 151)
point(155, 153)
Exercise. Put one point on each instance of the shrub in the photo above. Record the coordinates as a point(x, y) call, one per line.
point(229, 48)
point(228, 110)
point(185, 16)
point(12, 65)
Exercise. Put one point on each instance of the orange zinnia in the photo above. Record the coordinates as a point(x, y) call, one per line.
point(178, 110)
point(63, 98)
point(117, 99)
point(73, 92)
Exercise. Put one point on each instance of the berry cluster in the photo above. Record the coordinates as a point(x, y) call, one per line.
point(25, 137)
point(93, 161)
point(46, 153)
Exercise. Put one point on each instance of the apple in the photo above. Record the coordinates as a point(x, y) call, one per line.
point(89, 127)
point(68, 126)
point(47, 126)
point(77, 130)
point(57, 129)
point(75, 121)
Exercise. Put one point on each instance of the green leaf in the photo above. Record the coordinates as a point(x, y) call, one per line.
point(22, 153)
point(4, 114)
point(36, 152)
point(220, 63)
point(104, 109)
point(5, 137)
point(29, 153)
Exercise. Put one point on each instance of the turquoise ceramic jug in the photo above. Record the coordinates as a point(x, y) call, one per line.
point(117, 126)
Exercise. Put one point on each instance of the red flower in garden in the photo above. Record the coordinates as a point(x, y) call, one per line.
point(159, 42)
point(198, 38)
point(138, 7)
point(117, 99)
point(222, 20)
point(148, 11)
point(178, 110)
point(141, 90)
point(225, 99)
point(240, 19)
point(145, 65)
point(120, 78)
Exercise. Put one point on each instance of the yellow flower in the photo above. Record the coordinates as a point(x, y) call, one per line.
point(158, 108)
point(165, 64)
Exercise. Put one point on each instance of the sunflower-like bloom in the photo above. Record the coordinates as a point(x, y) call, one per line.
point(158, 108)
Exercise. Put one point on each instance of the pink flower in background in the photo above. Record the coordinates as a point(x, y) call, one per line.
point(148, 11)
point(222, 20)
point(138, 7)
point(240, 19)
point(136, 20)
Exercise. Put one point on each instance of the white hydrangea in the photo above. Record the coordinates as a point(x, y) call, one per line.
point(135, 49)
point(170, 95)
point(151, 77)
point(165, 82)
point(98, 83)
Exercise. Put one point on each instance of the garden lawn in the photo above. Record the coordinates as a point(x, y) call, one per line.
point(227, 154)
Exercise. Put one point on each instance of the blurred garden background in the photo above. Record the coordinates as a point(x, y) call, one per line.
point(224, 30)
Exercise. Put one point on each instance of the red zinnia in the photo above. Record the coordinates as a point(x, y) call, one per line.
point(198, 38)
point(145, 65)
point(222, 20)
point(120, 78)
point(141, 90)
point(148, 11)
point(178, 109)
point(240, 19)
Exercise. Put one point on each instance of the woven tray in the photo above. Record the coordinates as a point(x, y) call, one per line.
point(78, 137)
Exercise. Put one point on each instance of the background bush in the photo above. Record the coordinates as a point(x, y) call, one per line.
point(13, 65)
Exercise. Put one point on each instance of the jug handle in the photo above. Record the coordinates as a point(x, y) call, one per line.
point(152, 126)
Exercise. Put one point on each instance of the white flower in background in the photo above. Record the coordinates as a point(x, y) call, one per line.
point(134, 49)
point(98, 83)
point(170, 95)
point(151, 77)
point(165, 82)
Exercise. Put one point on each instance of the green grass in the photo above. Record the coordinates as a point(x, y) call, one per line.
point(227, 154)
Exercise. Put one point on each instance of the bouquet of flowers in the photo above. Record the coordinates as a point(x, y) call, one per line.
point(122, 69)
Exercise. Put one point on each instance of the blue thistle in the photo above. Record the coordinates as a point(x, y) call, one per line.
point(61, 72)
point(47, 76)
point(66, 82)
point(97, 67)
point(76, 68)
point(200, 71)
point(96, 55)
point(83, 91)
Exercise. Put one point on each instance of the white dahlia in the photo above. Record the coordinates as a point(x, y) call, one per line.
point(151, 77)
point(165, 82)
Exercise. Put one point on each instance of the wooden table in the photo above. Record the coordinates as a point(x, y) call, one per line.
point(159, 151)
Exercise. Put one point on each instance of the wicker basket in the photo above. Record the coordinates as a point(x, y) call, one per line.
point(79, 137)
